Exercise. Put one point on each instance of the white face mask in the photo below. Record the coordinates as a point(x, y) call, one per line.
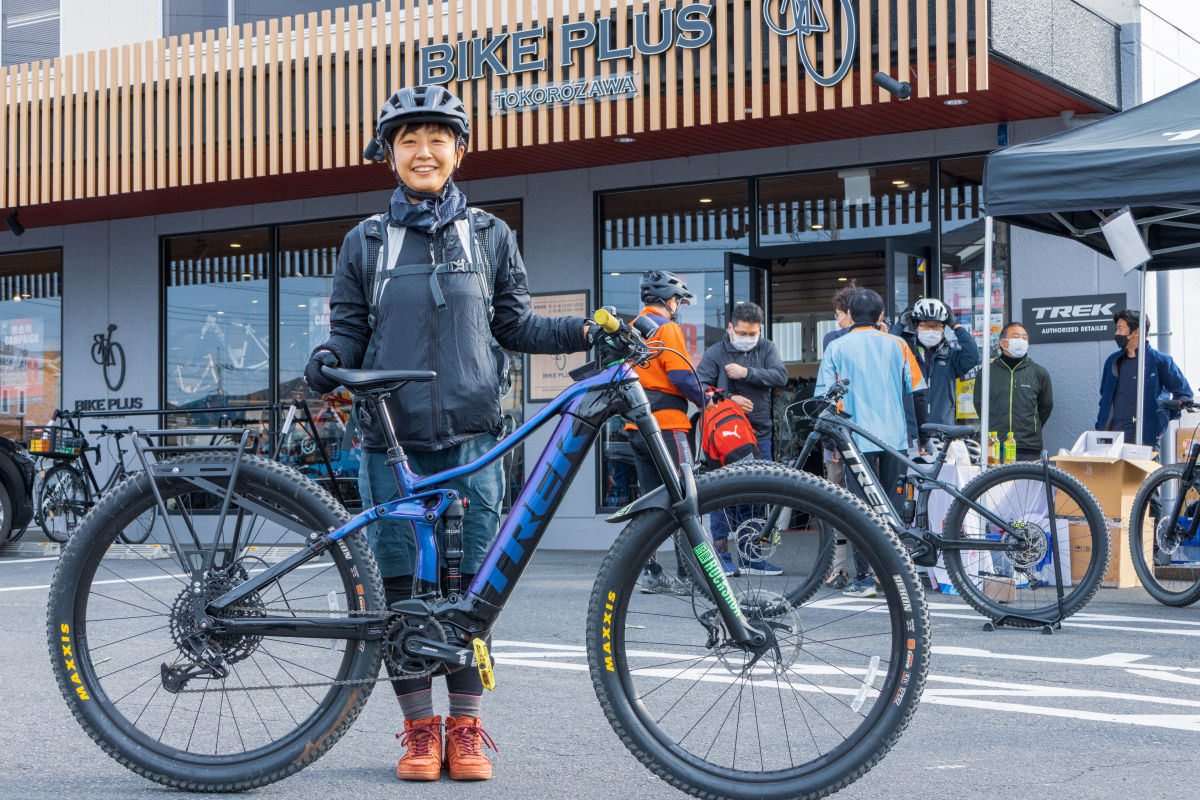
point(742, 343)
point(930, 338)
point(1017, 348)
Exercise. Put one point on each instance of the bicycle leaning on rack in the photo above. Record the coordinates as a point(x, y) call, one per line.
point(68, 490)
point(225, 672)
point(1164, 526)
point(995, 540)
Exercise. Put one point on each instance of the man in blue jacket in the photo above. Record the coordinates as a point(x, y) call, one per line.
point(945, 350)
point(1119, 379)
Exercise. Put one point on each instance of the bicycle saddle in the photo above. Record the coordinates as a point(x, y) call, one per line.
point(376, 380)
point(948, 431)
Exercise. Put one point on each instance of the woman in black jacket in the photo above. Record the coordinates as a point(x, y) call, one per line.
point(430, 308)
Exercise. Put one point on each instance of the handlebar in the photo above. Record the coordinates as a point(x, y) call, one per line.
point(1172, 404)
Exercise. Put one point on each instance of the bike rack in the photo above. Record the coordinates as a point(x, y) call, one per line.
point(148, 454)
point(1051, 622)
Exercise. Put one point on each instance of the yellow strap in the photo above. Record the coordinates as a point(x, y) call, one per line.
point(484, 662)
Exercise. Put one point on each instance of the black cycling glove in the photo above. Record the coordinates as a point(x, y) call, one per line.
point(317, 380)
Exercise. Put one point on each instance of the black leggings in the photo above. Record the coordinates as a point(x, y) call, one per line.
point(464, 680)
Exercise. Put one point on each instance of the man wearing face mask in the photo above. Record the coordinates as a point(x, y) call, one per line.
point(748, 367)
point(1119, 379)
point(945, 350)
point(1021, 394)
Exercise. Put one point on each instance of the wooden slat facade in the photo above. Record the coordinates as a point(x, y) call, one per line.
point(295, 95)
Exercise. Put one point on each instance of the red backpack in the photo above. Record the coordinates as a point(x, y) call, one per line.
point(726, 435)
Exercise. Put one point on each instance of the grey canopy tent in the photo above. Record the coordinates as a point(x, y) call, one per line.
point(1146, 158)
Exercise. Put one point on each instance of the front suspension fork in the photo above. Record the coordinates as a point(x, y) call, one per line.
point(701, 557)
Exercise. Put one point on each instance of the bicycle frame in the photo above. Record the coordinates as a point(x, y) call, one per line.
point(925, 480)
point(584, 408)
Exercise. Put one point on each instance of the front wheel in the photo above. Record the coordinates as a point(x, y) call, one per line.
point(803, 718)
point(1165, 551)
point(62, 502)
point(1020, 581)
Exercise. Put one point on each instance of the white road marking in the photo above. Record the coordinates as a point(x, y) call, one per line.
point(144, 579)
point(940, 689)
point(4, 561)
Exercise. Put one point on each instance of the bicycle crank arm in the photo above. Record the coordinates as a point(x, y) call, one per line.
point(420, 647)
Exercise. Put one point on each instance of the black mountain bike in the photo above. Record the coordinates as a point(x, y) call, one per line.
point(69, 489)
point(222, 672)
point(995, 539)
point(1164, 527)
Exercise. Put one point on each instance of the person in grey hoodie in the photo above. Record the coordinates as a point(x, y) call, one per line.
point(747, 366)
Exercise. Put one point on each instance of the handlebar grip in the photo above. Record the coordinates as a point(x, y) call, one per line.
point(609, 322)
point(1170, 404)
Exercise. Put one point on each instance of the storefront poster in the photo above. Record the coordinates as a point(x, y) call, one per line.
point(318, 319)
point(1077, 318)
point(21, 346)
point(549, 374)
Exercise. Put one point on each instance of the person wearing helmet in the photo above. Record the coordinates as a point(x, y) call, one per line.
point(429, 309)
point(945, 350)
point(670, 383)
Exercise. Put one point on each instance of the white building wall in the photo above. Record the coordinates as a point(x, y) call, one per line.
point(91, 25)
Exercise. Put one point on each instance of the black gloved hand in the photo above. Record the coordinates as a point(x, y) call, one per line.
point(317, 380)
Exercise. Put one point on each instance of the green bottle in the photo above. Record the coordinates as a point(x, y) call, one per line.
point(1010, 449)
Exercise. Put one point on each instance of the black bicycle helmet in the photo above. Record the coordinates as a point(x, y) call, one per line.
point(659, 286)
point(415, 105)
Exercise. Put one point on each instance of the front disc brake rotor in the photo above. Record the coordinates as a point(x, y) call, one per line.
point(764, 609)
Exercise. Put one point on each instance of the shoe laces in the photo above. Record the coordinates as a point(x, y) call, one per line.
point(468, 738)
point(419, 739)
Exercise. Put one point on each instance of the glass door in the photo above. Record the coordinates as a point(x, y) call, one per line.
point(907, 271)
point(748, 279)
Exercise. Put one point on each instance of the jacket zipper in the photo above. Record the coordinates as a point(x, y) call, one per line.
point(433, 351)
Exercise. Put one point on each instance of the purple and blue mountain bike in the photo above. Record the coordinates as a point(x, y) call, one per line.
point(223, 660)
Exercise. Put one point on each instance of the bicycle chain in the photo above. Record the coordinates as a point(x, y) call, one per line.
point(388, 615)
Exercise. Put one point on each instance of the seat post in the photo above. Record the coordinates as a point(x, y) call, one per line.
point(395, 453)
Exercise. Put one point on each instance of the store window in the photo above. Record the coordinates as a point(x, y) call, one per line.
point(218, 327)
point(852, 203)
point(962, 225)
point(30, 339)
point(684, 229)
point(239, 333)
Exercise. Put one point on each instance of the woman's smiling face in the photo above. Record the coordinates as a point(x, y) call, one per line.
point(426, 156)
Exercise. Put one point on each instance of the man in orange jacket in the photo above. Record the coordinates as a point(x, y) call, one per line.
point(670, 382)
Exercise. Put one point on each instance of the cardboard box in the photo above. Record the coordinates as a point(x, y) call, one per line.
point(1114, 482)
point(999, 588)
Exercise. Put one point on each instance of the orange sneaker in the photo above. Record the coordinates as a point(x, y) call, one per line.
point(465, 739)
point(423, 759)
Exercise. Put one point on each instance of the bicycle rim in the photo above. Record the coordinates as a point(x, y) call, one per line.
point(1165, 557)
point(123, 615)
point(802, 720)
point(1022, 580)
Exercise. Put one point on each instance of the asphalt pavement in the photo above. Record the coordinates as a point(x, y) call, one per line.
point(1109, 707)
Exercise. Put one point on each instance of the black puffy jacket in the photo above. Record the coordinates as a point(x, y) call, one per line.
point(412, 333)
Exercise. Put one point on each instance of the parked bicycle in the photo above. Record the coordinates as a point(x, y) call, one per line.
point(995, 539)
point(69, 489)
point(225, 673)
point(1164, 526)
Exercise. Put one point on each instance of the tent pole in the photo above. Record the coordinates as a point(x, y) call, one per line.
point(1143, 343)
point(986, 365)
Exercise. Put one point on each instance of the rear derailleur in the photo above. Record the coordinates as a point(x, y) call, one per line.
point(208, 663)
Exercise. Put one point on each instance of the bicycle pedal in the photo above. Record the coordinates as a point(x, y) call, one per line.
point(484, 662)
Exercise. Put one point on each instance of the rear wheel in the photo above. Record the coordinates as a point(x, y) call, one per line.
point(1166, 556)
point(6, 516)
point(119, 620)
point(1021, 580)
point(802, 719)
point(62, 502)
